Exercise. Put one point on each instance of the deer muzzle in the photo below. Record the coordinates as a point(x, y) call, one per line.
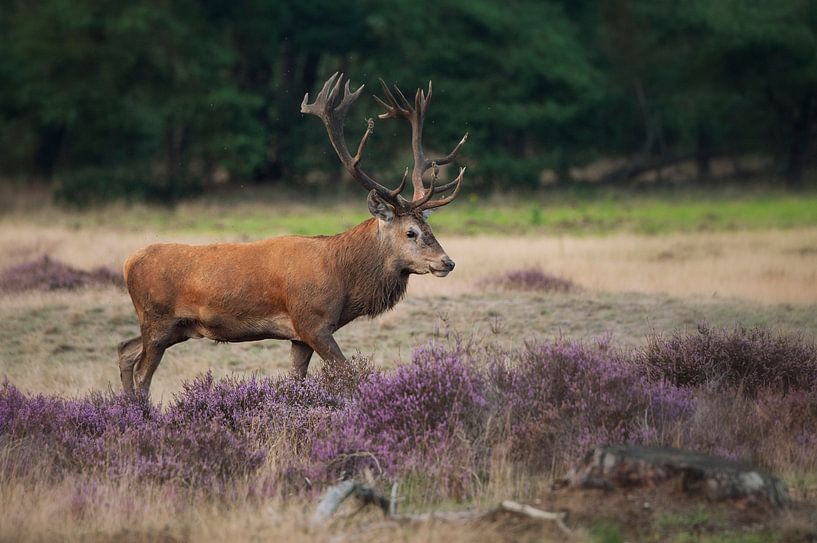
point(444, 268)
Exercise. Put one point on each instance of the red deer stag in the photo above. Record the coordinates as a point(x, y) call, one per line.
point(300, 289)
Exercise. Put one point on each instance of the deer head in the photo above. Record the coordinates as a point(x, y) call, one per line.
point(401, 223)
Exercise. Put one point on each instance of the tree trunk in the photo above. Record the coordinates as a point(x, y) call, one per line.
point(296, 74)
point(177, 144)
point(49, 147)
point(703, 152)
point(800, 141)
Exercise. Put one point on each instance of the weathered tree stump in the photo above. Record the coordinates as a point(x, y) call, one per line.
point(621, 466)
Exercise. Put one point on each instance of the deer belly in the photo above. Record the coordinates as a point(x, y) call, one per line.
point(235, 329)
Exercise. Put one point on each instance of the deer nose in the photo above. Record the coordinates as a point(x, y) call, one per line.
point(448, 263)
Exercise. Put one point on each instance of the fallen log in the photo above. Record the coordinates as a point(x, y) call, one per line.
point(620, 466)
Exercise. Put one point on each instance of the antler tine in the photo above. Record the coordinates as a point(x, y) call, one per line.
point(333, 92)
point(314, 108)
point(421, 100)
point(448, 199)
point(401, 186)
point(389, 95)
point(393, 109)
point(403, 99)
point(363, 140)
point(396, 105)
point(448, 186)
point(418, 203)
point(447, 159)
point(332, 111)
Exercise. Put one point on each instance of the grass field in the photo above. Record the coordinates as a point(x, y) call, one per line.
point(642, 266)
point(258, 212)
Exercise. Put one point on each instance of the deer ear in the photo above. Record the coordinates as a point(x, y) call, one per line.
point(427, 213)
point(379, 208)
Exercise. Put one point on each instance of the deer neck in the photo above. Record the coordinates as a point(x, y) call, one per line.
point(372, 281)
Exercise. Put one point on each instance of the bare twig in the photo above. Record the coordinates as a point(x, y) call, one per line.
point(393, 500)
point(532, 512)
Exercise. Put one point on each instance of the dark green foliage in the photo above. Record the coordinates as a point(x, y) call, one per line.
point(160, 100)
point(122, 99)
point(518, 76)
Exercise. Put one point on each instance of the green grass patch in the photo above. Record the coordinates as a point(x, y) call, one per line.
point(690, 520)
point(263, 212)
point(606, 533)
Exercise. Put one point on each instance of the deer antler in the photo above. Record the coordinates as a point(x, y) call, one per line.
point(398, 107)
point(332, 110)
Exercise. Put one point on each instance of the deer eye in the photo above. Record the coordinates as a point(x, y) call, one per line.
point(411, 234)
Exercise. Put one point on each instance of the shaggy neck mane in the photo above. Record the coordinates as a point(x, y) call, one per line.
point(367, 269)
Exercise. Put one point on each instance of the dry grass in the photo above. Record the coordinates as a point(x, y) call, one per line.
point(769, 267)
point(65, 341)
point(78, 508)
point(766, 266)
point(125, 511)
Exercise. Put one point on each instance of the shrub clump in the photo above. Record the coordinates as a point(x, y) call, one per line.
point(562, 398)
point(424, 417)
point(443, 418)
point(443, 415)
point(211, 433)
point(46, 273)
point(112, 436)
point(530, 280)
point(747, 358)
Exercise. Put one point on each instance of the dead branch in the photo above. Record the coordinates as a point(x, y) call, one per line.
point(365, 496)
point(336, 495)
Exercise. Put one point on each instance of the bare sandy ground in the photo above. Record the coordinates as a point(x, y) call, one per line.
point(630, 286)
point(764, 266)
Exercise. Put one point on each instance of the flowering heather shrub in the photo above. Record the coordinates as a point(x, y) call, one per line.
point(530, 279)
point(343, 379)
point(48, 274)
point(237, 404)
point(110, 435)
point(751, 359)
point(441, 418)
point(775, 431)
point(74, 434)
point(212, 432)
point(441, 415)
point(205, 454)
point(561, 398)
point(422, 417)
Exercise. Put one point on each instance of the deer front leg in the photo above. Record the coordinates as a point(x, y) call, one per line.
point(324, 344)
point(299, 356)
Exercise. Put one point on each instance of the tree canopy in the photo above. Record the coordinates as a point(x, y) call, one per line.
point(160, 99)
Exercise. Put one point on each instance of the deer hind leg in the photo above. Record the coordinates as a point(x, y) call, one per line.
point(299, 355)
point(130, 352)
